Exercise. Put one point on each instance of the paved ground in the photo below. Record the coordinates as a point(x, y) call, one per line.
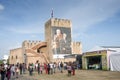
point(80, 75)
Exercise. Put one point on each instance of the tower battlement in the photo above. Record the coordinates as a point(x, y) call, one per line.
point(59, 22)
point(30, 43)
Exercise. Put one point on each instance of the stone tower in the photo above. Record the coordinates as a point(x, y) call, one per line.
point(58, 37)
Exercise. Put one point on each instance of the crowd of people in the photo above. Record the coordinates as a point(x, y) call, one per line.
point(7, 71)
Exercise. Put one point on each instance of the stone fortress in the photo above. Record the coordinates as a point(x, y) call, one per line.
point(58, 43)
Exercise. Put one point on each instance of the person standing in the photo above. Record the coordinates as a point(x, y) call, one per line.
point(69, 68)
point(13, 69)
point(24, 67)
point(38, 68)
point(54, 67)
point(61, 67)
point(41, 68)
point(48, 68)
point(21, 69)
point(73, 68)
point(17, 70)
point(45, 67)
point(2, 71)
point(8, 73)
point(30, 69)
point(51, 68)
point(65, 66)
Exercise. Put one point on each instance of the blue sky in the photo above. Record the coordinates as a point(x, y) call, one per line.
point(94, 22)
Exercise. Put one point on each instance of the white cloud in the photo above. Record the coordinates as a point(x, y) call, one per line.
point(6, 50)
point(34, 36)
point(16, 45)
point(27, 30)
point(91, 12)
point(3, 51)
point(1, 7)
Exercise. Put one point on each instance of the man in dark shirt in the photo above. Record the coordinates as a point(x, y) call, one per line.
point(2, 71)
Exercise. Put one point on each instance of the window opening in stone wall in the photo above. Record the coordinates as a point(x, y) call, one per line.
point(12, 57)
point(38, 50)
point(16, 57)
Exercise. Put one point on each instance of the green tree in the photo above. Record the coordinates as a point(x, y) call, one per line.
point(1, 61)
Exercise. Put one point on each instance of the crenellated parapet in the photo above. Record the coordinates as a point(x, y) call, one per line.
point(30, 43)
point(59, 22)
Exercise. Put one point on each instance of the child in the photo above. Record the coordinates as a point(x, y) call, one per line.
point(17, 71)
point(41, 68)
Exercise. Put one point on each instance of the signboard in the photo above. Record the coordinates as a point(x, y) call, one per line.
point(61, 40)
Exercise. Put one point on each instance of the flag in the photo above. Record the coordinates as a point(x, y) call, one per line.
point(52, 14)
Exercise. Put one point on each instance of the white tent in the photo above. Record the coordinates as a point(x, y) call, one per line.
point(115, 61)
point(113, 56)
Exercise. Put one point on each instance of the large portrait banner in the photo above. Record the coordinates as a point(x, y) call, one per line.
point(61, 40)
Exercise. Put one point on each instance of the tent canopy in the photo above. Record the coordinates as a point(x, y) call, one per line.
point(113, 56)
